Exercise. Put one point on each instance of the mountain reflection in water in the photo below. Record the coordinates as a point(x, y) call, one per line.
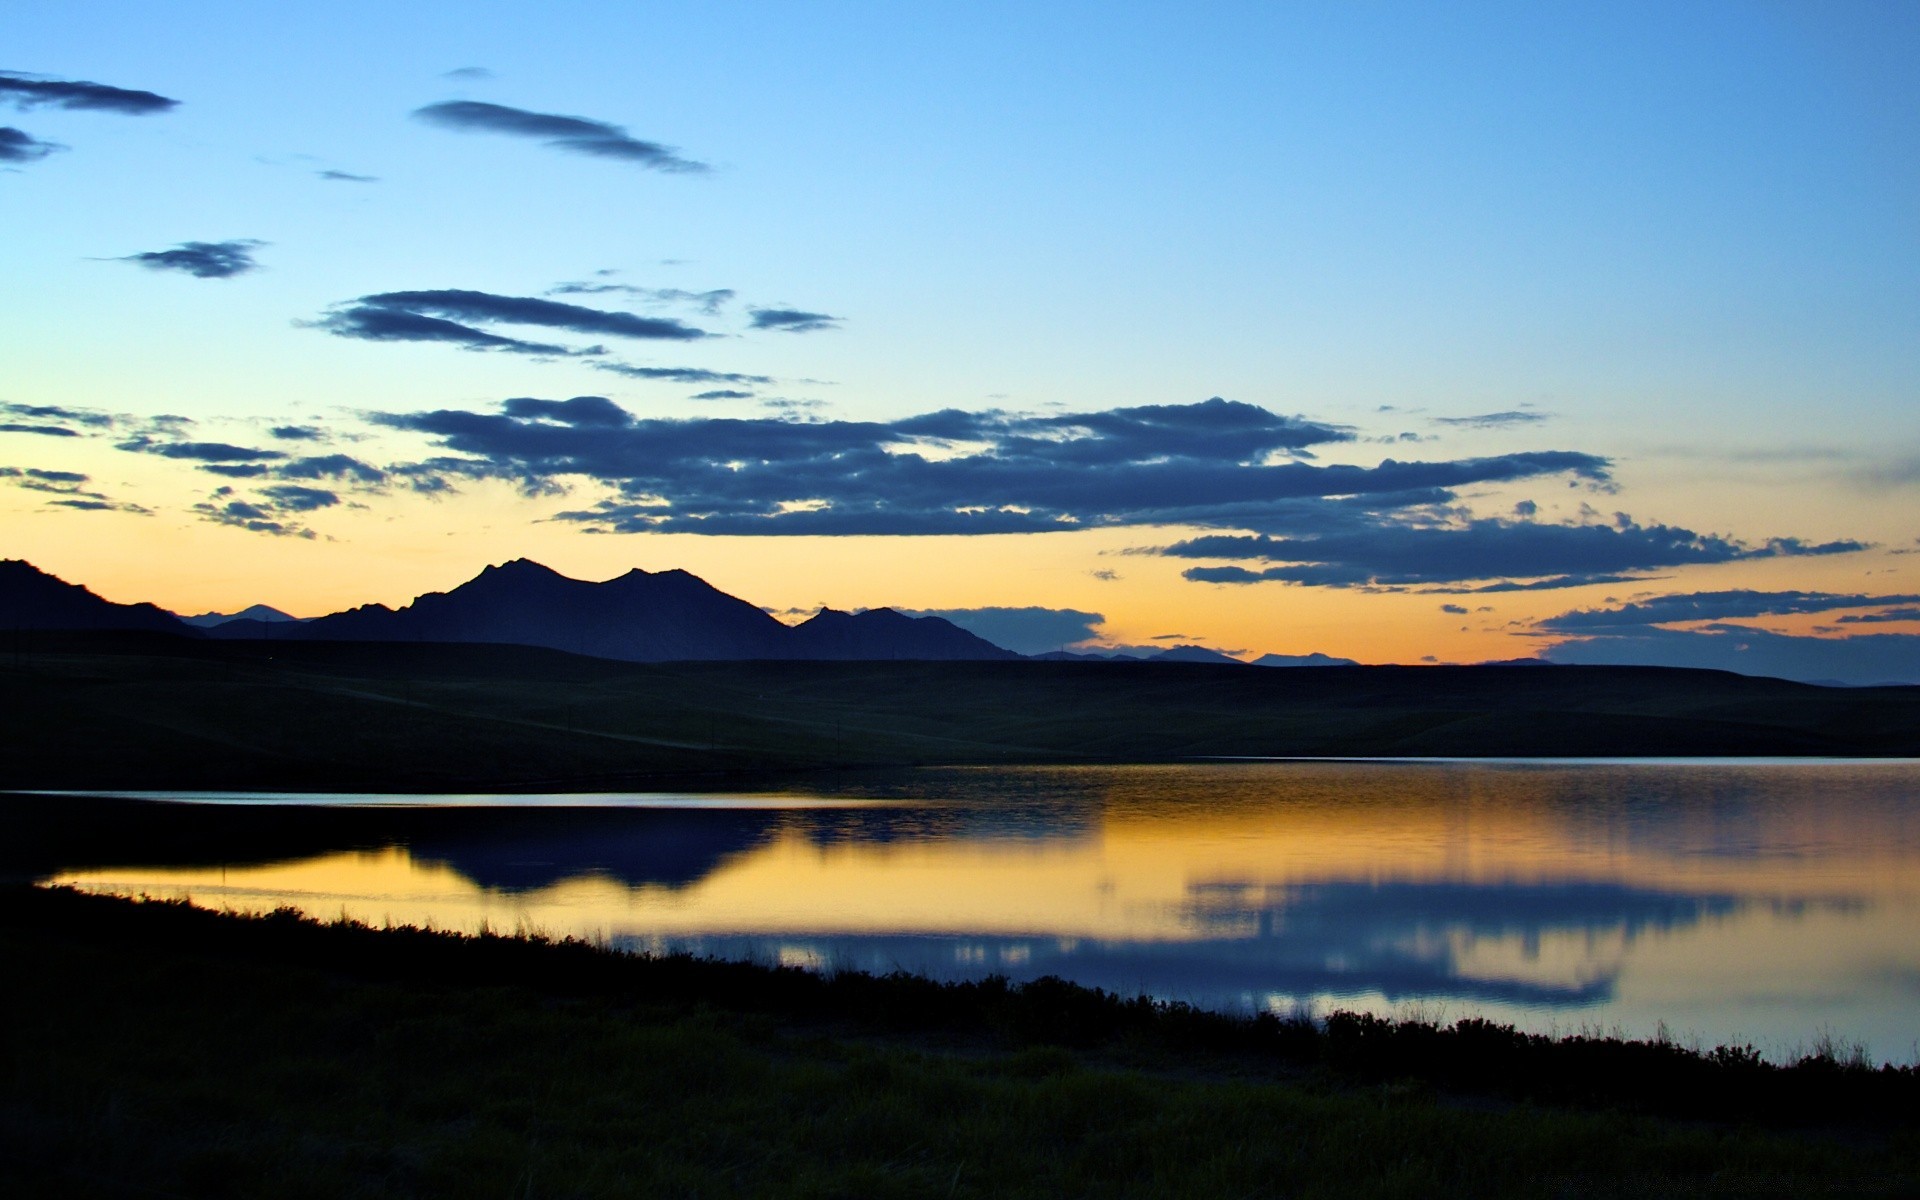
point(1766, 903)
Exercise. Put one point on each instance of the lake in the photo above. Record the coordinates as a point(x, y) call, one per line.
point(1773, 902)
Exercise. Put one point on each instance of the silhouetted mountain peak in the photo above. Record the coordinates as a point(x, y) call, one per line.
point(33, 599)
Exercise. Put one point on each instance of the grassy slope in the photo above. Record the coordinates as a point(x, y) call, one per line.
point(157, 1050)
point(149, 711)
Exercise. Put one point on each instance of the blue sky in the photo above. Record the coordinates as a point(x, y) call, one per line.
point(1678, 240)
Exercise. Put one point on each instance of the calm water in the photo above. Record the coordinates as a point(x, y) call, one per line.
point(1769, 902)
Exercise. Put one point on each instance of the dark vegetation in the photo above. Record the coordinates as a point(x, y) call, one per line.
point(158, 1049)
point(132, 710)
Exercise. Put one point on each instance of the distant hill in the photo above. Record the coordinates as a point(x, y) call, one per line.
point(1193, 654)
point(1303, 660)
point(642, 616)
point(32, 599)
point(254, 612)
point(883, 634)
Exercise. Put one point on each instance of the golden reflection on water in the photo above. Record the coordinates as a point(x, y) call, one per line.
point(1739, 902)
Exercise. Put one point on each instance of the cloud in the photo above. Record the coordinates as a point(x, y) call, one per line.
point(1710, 606)
point(1891, 614)
point(576, 135)
point(1493, 420)
point(580, 410)
point(1021, 630)
point(19, 146)
point(792, 320)
point(1861, 659)
point(451, 315)
point(44, 430)
point(268, 514)
point(468, 73)
point(680, 374)
point(709, 302)
point(1457, 609)
point(24, 91)
point(346, 177)
point(1211, 463)
point(722, 394)
point(70, 489)
point(1395, 551)
point(211, 452)
point(54, 412)
point(290, 497)
point(202, 260)
point(330, 466)
point(297, 433)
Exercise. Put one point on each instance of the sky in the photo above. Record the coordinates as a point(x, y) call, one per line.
point(1398, 332)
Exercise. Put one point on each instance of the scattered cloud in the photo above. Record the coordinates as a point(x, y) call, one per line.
point(297, 433)
point(1217, 463)
point(474, 73)
point(452, 315)
point(51, 420)
point(1456, 609)
point(1891, 614)
point(270, 513)
point(1732, 605)
point(209, 452)
point(202, 260)
point(722, 394)
point(1402, 550)
point(577, 135)
point(28, 91)
point(792, 320)
point(1492, 420)
point(680, 374)
point(346, 177)
point(708, 302)
point(1105, 576)
point(69, 489)
point(19, 146)
point(290, 497)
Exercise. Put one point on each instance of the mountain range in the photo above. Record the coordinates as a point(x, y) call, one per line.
point(641, 616)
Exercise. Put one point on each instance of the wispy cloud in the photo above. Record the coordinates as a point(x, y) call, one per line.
point(30, 91)
point(708, 302)
point(1403, 551)
point(577, 135)
point(202, 260)
point(1492, 420)
point(792, 320)
point(333, 176)
point(69, 489)
point(454, 316)
point(19, 146)
point(1732, 605)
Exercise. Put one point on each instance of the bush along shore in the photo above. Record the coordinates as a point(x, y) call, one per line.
point(155, 1048)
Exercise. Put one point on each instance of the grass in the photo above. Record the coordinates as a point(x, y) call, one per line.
point(158, 1050)
point(149, 711)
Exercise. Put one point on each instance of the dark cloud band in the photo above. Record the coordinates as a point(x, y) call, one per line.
point(1211, 463)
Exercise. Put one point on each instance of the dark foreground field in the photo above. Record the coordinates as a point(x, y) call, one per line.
point(158, 1050)
point(150, 711)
